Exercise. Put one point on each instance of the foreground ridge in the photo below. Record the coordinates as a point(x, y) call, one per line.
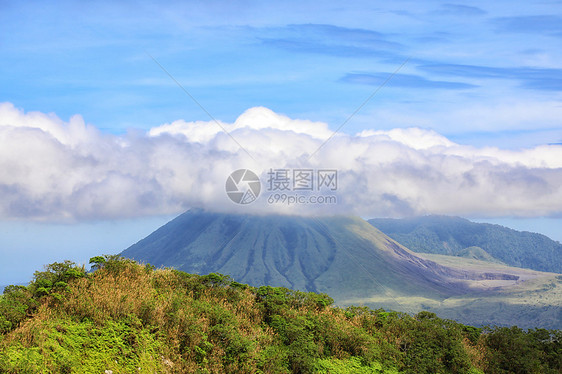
point(125, 317)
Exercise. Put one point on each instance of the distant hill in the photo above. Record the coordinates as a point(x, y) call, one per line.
point(352, 261)
point(452, 235)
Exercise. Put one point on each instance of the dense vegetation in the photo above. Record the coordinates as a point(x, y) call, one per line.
point(450, 235)
point(131, 318)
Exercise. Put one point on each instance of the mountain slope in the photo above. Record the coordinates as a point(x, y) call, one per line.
point(346, 257)
point(477, 253)
point(332, 254)
point(451, 235)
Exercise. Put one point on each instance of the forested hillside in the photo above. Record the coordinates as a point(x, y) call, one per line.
point(130, 318)
point(451, 235)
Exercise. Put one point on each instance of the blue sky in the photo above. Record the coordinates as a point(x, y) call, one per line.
point(485, 76)
point(299, 58)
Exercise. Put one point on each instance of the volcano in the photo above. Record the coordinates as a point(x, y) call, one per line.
point(346, 257)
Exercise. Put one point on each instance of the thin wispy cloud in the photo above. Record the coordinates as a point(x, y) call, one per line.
point(528, 77)
point(332, 40)
point(404, 80)
point(460, 10)
point(541, 24)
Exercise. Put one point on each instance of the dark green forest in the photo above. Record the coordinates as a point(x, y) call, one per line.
point(451, 235)
point(133, 318)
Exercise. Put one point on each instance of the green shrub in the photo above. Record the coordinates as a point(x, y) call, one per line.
point(126, 316)
point(352, 365)
point(15, 304)
point(513, 350)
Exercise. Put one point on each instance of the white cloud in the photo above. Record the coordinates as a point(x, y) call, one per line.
point(508, 121)
point(257, 118)
point(56, 170)
point(415, 138)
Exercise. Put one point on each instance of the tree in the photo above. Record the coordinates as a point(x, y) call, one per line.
point(97, 262)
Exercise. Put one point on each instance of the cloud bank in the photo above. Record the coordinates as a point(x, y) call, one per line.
point(52, 170)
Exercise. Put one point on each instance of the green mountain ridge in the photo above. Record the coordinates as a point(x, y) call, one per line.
point(450, 235)
point(352, 261)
